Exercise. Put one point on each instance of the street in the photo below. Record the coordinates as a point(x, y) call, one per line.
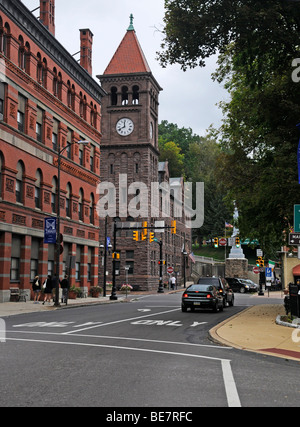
point(145, 353)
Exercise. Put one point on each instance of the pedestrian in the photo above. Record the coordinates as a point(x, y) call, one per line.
point(173, 282)
point(36, 287)
point(48, 290)
point(65, 286)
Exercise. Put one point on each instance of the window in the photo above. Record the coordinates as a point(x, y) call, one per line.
point(35, 247)
point(135, 95)
point(21, 113)
point(55, 82)
point(68, 201)
point(69, 144)
point(92, 158)
point(1, 166)
point(2, 100)
point(39, 124)
point(37, 191)
point(81, 156)
point(15, 258)
point(77, 263)
point(19, 182)
point(124, 95)
point(92, 217)
point(21, 56)
point(114, 96)
point(89, 264)
point(80, 205)
point(55, 135)
point(54, 195)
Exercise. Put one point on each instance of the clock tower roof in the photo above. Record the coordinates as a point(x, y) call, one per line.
point(129, 57)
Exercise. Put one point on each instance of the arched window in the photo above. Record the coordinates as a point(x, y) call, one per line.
point(92, 210)
point(135, 95)
point(60, 85)
point(68, 200)
point(21, 54)
point(55, 82)
point(124, 95)
point(1, 168)
point(19, 182)
point(39, 70)
point(27, 57)
point(80, 205)
point(114, 96)
point(37, 191)
point(54, 195)
point(4, 33)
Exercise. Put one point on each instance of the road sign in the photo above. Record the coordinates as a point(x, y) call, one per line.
point(294, 239)
point(269, 273)
point(50, 231)
point(170, 270)
point(256, 270)
point(297, 218)
point(223, 242)
point(259, 252)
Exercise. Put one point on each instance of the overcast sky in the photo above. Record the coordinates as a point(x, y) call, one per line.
point(188, 98)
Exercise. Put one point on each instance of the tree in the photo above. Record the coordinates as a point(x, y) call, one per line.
point(171, 152)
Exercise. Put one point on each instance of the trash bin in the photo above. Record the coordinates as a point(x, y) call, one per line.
point(295, 299)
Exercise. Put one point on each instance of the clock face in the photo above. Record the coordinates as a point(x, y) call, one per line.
point(125, 127)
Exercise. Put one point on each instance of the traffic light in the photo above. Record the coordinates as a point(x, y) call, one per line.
point(151, 238)
point(262, 263)
point(258, 261)
point(216, 242)
point(237, 242)
point(136, 236)
point(116, 255)
point(145, 229)
point(174, 227)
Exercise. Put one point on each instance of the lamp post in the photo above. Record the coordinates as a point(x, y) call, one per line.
point(104, 249)
point(59, 249)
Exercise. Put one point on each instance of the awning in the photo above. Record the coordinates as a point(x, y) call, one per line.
point(296, 270)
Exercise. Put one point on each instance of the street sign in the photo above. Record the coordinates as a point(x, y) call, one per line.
point(223, 242)
point(269, 273)
point(297, 218)
point(50, 231)
point(256, 270)
point(259, 252)
point(170, 270)
point(294, 239)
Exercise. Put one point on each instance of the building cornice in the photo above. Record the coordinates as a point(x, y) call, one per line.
point(39, 34)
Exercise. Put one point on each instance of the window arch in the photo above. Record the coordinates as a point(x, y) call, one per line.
point(39, 70)
point(19, 182)
point(55, 82)
point(4, 33)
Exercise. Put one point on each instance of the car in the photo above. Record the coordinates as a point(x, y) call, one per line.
point(202, 296)
point(242, 285)
point(222, 286)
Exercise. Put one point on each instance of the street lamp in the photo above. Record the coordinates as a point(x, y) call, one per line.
point(104, 249)
point(58, 239)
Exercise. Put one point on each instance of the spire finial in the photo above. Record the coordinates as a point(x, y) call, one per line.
point(131, 27)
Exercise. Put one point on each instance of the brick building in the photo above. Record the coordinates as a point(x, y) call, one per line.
point(48, 101)
point(130, 163)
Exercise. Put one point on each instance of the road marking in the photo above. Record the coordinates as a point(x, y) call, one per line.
point(120, 321)
point(230, 387)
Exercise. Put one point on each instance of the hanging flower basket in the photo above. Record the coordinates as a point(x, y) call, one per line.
point(126, 288)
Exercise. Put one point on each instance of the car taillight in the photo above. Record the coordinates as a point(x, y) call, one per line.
point(208, 296)
point(185, 296)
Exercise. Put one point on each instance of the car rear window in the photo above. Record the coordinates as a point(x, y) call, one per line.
point(201, 288)
point(209, 281)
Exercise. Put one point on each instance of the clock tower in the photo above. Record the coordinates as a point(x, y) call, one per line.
point(129, 148)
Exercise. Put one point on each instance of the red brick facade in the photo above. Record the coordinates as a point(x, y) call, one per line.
point(47, 102)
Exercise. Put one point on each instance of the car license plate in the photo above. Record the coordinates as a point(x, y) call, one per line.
point(197, 303)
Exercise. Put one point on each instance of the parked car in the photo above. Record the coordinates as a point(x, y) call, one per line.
point(202, 296)
point(242, 285)
point(222, 286)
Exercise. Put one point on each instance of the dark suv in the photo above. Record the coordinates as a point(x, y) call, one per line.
point(221, 284)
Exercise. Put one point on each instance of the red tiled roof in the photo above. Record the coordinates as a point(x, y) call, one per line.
point(129, 57)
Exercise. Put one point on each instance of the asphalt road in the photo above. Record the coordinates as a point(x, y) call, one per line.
point(142, 354)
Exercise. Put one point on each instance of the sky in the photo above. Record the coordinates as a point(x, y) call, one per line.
point(189, 99)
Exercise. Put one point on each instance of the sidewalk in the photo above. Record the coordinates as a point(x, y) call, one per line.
point(256, 329)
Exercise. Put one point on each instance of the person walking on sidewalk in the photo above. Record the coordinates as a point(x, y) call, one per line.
point(36, 287)
point(48, 290)
point(65, 286)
